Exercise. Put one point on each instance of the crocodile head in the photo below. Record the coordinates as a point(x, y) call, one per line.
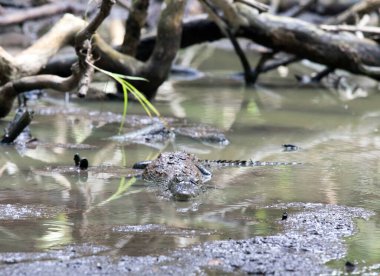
point(184, 188)
point(178, 172)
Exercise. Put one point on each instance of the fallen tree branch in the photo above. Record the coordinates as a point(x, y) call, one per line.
point(39, 12)
point(310, 42)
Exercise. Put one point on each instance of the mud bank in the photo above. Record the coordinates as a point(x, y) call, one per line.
point(312, 235)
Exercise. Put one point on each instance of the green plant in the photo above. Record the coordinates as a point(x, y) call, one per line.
point(128, 87)
point(124, 185)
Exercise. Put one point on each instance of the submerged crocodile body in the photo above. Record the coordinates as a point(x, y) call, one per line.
point(158, 134)
point(183, 174)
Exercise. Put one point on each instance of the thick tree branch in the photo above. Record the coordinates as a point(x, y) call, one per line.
point(156, 69)
point(135, 22)
point(81, 71)
point(169, 32)
point(10, 90)
point(30, 61)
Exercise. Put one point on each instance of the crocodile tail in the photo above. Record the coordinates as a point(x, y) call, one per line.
point(225, 163)
point(228, 163)
point(265, 163)
point(245, 163)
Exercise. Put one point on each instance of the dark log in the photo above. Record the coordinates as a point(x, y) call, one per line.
point(17, 126)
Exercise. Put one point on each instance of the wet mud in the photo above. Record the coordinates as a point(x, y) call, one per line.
point(312, 235)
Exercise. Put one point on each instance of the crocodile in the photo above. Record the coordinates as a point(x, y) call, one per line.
point(183, 175)
point(157, 134)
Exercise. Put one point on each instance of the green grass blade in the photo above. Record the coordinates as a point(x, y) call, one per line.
point(128, 87)
point(142, 99)
point(123, 187)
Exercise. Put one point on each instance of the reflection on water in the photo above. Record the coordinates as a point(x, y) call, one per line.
point(339, 143)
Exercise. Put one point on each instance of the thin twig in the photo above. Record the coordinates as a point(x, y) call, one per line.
point(254, 4)
point(300, 8)
point(360, 8)
point(350, 28)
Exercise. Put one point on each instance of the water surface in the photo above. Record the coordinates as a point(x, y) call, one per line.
point(340, 149)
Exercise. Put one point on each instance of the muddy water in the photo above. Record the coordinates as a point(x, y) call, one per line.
point(340, 147)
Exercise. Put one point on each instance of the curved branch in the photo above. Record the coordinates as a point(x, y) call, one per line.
point(10, 90)
point(33, 59)
point(42, 50)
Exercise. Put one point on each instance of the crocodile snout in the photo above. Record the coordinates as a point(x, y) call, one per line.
point(184, 190)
